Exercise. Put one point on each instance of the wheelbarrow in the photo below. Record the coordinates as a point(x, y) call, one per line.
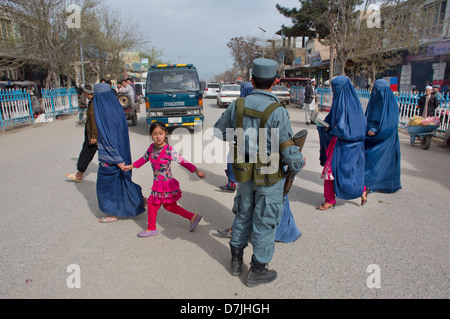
point(424, 133)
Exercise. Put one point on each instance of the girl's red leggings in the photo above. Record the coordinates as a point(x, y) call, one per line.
point(172, 207)
point(330, 196)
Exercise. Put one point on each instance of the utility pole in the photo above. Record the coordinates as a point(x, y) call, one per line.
point(264, 41)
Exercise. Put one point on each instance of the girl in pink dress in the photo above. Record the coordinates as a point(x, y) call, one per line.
point(166, 189)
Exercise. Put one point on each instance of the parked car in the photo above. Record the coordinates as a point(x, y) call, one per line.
point(282, 93)
point(228, 93)
point(212, 90)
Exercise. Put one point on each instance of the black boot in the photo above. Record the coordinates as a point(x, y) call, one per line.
point(236, 260)
point(259, 274)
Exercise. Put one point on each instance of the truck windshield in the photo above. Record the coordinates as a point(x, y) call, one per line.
point(173, 80)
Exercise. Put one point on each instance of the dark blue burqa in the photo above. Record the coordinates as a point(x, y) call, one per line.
point(117, 194)
point(383, 149)
point(348, 124)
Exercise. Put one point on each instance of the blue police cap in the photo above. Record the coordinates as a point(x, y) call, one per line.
point(264, 68)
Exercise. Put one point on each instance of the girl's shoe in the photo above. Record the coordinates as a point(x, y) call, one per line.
point(322, 206)
point(195, 223)
point(148, 233)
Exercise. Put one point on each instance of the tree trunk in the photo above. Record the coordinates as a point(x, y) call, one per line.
point(331, 73)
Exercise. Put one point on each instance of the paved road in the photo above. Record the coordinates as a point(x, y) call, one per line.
point(49, 223)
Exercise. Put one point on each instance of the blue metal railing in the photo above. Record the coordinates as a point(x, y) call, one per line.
point(407, 103)
point(15, 105)
point(59, 101)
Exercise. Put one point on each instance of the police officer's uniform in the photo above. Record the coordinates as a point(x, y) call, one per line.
point(258, 209)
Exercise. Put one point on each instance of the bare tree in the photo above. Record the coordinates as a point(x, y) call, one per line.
point(244, 51)
point(105, 38)
point(43, 34)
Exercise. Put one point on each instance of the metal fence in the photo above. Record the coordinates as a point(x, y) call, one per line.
point(59, 101)
point(15, 105)
point(407, 103)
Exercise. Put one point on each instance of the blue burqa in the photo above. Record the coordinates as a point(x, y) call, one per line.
point(348, 124)
point(117, 194)
point(382, 149)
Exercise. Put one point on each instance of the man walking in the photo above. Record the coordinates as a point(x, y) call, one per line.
point(258, 204)
point(310, 102)
point(90, 138)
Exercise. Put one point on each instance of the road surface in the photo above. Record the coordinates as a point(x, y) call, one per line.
point(52, 245)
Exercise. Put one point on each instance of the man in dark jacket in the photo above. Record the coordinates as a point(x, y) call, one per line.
point(90, 138)
point(428, 103)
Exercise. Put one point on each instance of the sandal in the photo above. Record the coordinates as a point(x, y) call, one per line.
point(74, 178)
point(364, 201)
point(109, 219)
point(322, 206)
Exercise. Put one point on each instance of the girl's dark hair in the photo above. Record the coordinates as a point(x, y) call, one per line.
point(263, 84)
point(160, 125)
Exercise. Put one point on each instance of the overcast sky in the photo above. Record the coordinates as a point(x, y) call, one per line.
point(197, 31)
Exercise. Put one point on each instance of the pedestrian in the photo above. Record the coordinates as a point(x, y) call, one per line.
point(427, 103)
point(118, 197)
point(258, 204)
point(166, 189)
point(435, 91)
point(382, 143)
point(89, 148)
point(310, 102)
point(130, 82)
point(82, 104)
point(342, 146)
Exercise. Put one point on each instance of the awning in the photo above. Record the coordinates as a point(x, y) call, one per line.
point(294, 79)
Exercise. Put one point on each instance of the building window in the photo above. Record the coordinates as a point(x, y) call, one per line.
point(5, 31)
point(435, 14)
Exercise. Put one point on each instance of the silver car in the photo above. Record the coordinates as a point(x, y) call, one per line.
point(228, 93)
point(282, 93)
point(212, 90)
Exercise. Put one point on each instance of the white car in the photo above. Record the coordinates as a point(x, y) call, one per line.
point(282, 93)
point(212, 90)
point(228, 93)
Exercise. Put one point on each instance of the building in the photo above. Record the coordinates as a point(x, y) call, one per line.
point(316, 60)
point(431, 64)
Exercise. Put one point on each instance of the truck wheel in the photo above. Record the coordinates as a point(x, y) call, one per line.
point(447, 137)
point(425, 142)
point(134, 119)
point(124, 100)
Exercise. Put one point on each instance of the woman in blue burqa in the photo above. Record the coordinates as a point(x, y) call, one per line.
point(342, 146)
point(382, 143)
point(118, 197)
point(287, 230)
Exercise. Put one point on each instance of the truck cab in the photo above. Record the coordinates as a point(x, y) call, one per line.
point(174, 95)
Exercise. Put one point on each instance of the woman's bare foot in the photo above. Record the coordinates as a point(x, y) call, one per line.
point(108, 219)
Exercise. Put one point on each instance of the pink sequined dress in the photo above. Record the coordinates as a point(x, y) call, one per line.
point(165, 189)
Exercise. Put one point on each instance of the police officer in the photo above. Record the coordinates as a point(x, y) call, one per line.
point(258, 209)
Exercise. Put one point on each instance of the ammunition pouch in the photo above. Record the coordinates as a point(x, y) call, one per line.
point(267, 171)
